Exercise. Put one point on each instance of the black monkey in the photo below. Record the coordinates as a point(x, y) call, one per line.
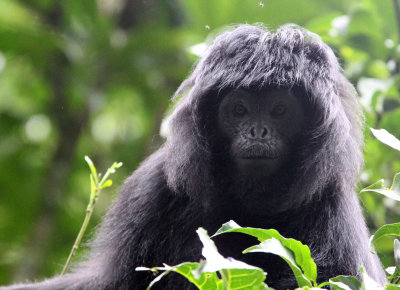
point(267, 133)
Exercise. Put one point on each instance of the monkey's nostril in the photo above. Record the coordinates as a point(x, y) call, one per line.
point(253, 132)
point(264, 132)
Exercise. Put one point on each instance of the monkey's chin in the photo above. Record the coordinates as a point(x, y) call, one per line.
point(258, 167)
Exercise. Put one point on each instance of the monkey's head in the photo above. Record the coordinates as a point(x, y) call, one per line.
point(283, 109)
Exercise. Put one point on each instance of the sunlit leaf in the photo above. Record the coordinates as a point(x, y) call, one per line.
point(393, 192)
point(386, 138)
point(390, 270)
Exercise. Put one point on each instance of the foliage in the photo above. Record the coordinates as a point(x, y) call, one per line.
point(238, 275)
point(297, 256)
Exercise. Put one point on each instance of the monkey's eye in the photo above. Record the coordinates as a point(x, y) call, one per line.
point(278, 110)
point(239, 110)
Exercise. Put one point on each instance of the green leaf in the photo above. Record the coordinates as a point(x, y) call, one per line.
point(243, 279)
point(108, 183)
point(386, 192)
point(235, 274)
point(342, 283)
point(92, 169)
point(386, 230)
point(393, 192)
point(392, 287)
point(204, 281)
point(386, 138)
point(376, 185)
point(302, 254)
point(274, 246)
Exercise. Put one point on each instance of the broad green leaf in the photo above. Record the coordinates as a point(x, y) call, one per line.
point(243, 279)
point(386, 230)
point(343, 283)
point(205, 281)
point(302, 254)
point(386, 138)
point(274, 246)
point(392, 286)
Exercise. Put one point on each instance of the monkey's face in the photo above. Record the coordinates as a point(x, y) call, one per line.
point(261, 128)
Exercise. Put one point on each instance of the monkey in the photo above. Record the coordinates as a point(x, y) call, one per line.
point(266, 132)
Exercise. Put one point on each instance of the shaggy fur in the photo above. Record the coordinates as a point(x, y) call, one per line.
point(179, 188)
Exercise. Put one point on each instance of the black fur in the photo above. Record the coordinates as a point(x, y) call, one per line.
point(181, 187)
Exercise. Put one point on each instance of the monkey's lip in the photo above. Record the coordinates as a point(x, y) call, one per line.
point(263, 157)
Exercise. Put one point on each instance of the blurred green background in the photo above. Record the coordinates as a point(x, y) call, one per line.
point(95, 78)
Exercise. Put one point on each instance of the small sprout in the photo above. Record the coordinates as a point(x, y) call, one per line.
point(108, 183)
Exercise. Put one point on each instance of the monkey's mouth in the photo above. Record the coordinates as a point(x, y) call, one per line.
point(258, 157)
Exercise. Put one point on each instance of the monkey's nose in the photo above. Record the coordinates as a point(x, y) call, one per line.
point(258, 132)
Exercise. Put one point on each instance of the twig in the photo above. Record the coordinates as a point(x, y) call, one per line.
point(96, 187)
